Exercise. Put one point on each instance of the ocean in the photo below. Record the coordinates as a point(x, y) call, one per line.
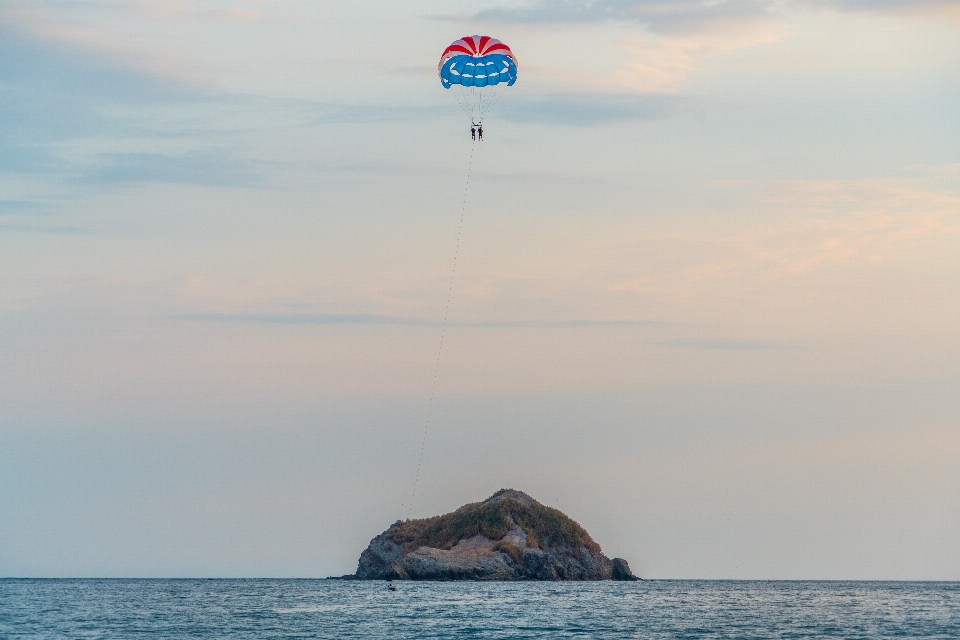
point(347, 609)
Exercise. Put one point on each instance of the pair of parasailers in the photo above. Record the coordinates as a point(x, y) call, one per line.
point(476, 131)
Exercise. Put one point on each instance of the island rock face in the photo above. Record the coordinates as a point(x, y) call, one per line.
point(509, 536)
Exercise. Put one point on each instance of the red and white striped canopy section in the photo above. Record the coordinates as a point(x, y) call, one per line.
point(476, 46)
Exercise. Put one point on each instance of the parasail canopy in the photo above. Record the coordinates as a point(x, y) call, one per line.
point(477, 61)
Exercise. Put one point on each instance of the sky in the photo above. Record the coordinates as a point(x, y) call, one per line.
point(701, 289)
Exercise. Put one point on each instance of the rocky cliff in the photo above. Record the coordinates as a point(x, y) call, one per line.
point(509, 536)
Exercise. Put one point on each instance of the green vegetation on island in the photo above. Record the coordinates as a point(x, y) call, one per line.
point(493, 518)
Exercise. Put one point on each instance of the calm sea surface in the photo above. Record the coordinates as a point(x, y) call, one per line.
point(336, 609)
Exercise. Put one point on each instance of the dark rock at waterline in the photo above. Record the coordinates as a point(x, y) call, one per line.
point(620, 570)
point(509, 536)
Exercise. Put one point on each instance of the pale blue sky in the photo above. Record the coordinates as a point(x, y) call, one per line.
point(706, 295)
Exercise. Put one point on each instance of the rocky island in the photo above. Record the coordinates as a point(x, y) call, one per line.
point(508, 536)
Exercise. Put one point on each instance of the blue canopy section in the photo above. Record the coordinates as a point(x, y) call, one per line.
point(478, 72)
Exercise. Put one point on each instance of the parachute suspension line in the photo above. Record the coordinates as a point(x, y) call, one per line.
point(470, 96)
point(443, 330)
point(471, 101)
point(478, 102)
point(460, 94)
point(492, 100)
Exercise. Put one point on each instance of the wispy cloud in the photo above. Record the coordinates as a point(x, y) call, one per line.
point(91, 119)
point(732, 345)
point(372, 319)
point(67, 114)
point(660, 16)
point(208, 167)
point(25, 216)
point(880, 5)
point(616, 46)
point(655, 46)
point(88, 31)
point(684, 16)
point(662, 63)
point(815, 224)
point(850, 219)
point(49, 94)
point(336, 112)
point(588, 109)
point(50, 229)
point(18, 207)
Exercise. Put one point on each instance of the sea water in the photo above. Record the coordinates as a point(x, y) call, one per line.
point(348, 609)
